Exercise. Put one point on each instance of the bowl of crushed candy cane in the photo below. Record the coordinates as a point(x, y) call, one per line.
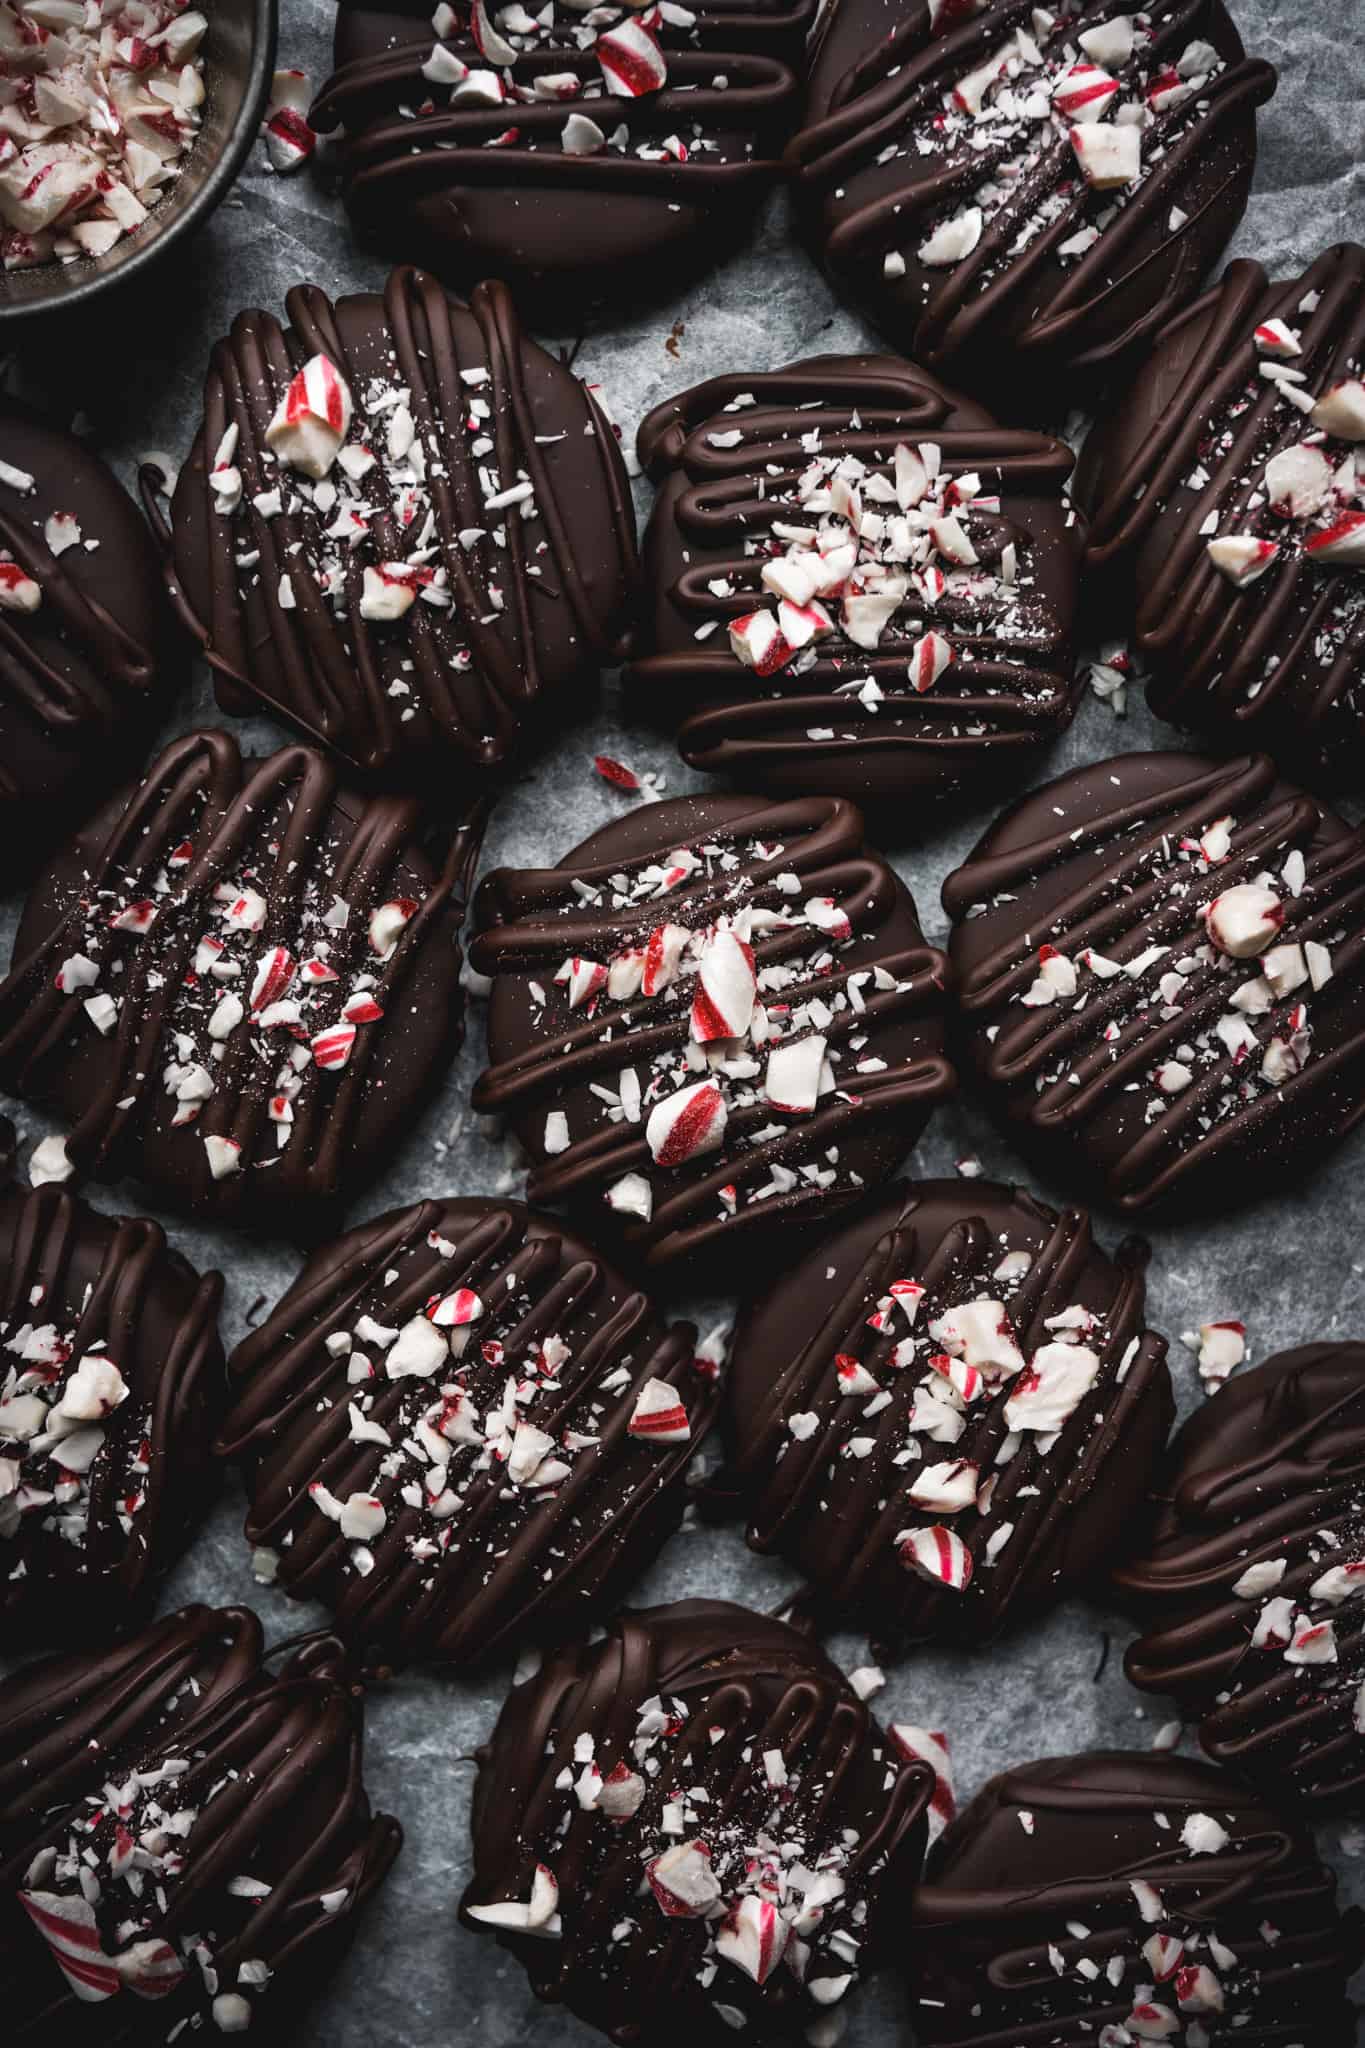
point(122, 125)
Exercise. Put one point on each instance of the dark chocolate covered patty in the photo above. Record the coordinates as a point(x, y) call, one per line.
point(716, 1019)
point(860, 585)
point(1158, 963)
point(403, 527)
point(111, 1382)
point(461, 1429)
point(1044, 187)
point(693, 1827)
point(83, 630)
point(185, 1840)
point(239, 984)
point(1104, 1900)
point(1250, 1580)
point(586, 154)
point(1227, 485)
point(946, 1415)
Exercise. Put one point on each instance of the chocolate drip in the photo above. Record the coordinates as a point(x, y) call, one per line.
point(83, 668)
point(1278, 663)
point(75, 1285)
point(1108, 860)
point(469, 1560)
point(201, 824)
point(479, 189)
point(881, 84)
point(280, 1854)
point(1265, 1491)
point(1012, 682)
point(697, 1698)
point(546, 1056)
point(833, 1498)
point(1049, 1902)
point(533, 602)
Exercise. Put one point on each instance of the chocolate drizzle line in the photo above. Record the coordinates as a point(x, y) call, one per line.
point(200, 788)
point(1010, 691)
point(985, 1971)
point(1210, 408)
point(1132, 278)
point(533, 918)
point(749, 1685)
point(1274, 1471)
point(333, 673)
point(838, 1516)
point(194, 1686)
point(511, 1564)
point(115, 1285)
point(1052, 1068)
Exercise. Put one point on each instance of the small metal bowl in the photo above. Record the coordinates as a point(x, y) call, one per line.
point(239, 62)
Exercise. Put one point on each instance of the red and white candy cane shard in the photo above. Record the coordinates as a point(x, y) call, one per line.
point(289, 141)
point(929, 657)
point(687, 1123)
point(361, 1009)
point(659, 1415)
point(753, 1936)
point(826, 916)
point(939, 1555)
point(792, 1079)
point(332, 1048)
point(726, 986)
point(581, 979)
point(273, 975)
point(1274, 338)
point(663, 950)
point(622, 1793)
point(854, 1377)
point(1341, 411)
point(387, 922)
point(456, 1311)
point(1244, 919)
point(907, 1295)
point(616, 772)
point(69, 1928)
point(683, 1881)
point(134, 917)
point(1343, 541)
point(632, 62)
point(1242, 557)
point(930, 1746)
point(1084, 93)
point(152, 1968)
point(757, 641)
point(312, 419)
point(18, 591)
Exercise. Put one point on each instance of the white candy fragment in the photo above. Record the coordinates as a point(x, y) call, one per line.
point(289, 141)
point(312, 419)
point(1242, 557)
point(1244, 919)
point(1109, 156)
point(954, 240)
point(687, 1123)
point(1341, 411)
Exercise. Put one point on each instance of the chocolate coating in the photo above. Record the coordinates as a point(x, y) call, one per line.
point(774, 1764)
point(491, 1533)
point(527, 599)
point(1173, 1074)
point(1029, 1904)
point(222, 1002)
point(477, 186)
point(218, 1903)
point(1270, 1475)
point(820, 910)
point(831, 1344)
point(81, 675)
point(888, 157)
point(1181, 462)
point(95, 1506)
point(807, 728)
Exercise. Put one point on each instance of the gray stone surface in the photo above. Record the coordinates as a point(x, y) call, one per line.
point(1293, 1270)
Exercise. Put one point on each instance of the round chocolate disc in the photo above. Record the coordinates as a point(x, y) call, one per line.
point(403, 527)
point(1113, 1898)
point(588, 155)
point(1158, 966)
point(717, 1018)
point(1007, 188)
point(462, 1428)
point(185, 1841)
point(238, 984)
point(860, 584)
point(83, 630)
point(693, 1825)
point(111, 1382)
point(1250, 1581)
point(947, 1416)
point(1227, 485)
